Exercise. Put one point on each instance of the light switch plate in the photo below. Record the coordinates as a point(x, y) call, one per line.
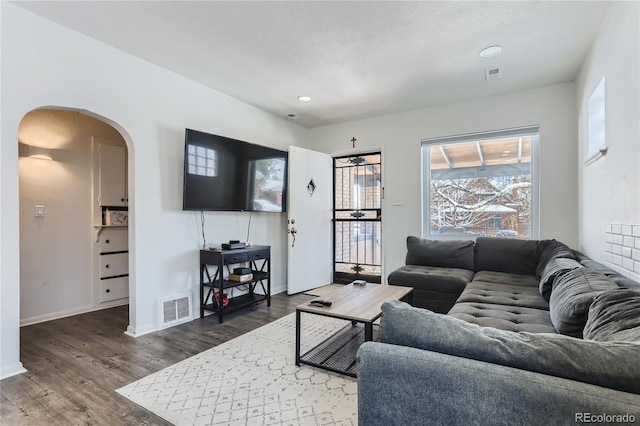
point(39, 210)
point(397, 201)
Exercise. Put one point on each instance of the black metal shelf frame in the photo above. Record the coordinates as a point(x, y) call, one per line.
point(258, 258)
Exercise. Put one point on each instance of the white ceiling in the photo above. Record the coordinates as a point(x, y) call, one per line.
point(355, 59)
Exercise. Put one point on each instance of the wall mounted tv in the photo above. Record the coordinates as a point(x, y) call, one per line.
point(230, 175)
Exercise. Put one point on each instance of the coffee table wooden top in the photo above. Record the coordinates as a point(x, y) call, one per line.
point(357, 303)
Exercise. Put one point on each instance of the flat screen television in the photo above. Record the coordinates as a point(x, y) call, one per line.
point(226, 174)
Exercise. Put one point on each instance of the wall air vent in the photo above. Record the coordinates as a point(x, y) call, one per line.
point(175, 310)
point(493, 73)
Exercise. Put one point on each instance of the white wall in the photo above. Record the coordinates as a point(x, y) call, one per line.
point(399, 135)
point(44, 64)
point(610, 187)
point(56, 250)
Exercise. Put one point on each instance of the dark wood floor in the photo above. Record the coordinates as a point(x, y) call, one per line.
point(75, 364)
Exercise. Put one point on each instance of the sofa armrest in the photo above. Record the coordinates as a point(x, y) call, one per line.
point(399, 385)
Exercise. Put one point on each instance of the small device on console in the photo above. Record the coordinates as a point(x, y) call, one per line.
point(242, 271)
point(233, 245)
point(359, 283)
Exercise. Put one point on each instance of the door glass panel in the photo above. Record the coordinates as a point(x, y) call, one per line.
point(357, 218)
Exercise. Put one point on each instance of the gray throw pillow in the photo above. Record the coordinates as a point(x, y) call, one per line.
point(552, 249)
point(573, 293)
point(614, 316)
point(555, 267)
point(608, 364)
point(444, 254)
point(508, 255)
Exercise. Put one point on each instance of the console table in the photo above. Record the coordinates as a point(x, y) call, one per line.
point(259, 260)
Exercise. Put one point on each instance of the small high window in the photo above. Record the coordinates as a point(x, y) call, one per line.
point(596, 140)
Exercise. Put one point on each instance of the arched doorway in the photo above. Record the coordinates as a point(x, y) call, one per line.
point(61, 217)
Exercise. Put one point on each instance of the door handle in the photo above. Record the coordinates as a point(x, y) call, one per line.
point(293, 233)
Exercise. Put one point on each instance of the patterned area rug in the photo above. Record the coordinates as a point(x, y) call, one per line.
point(252, 380)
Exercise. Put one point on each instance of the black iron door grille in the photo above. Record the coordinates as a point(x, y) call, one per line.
point(357, 217)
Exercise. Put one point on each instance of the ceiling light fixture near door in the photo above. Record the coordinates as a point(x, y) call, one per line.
point(304, 98)
point(490, 51)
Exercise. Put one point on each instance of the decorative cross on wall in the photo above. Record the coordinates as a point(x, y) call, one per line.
point(353, 140)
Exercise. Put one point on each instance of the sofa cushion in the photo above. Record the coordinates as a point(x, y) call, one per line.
point(572, 294)
point(503, 294)
point(506, 255)
point(446, 254)
point(506, 278)
point(609, 364)
point(552, 249)
point(445, 280)
point(555, 267)
point(614, 316)
point(504, 317)
point(621, 280)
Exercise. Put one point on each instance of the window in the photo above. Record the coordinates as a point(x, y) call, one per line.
point(202, 161)
point(596, 122)
point(481, 185)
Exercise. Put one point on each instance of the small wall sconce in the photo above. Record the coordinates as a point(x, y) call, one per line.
point(30, 151)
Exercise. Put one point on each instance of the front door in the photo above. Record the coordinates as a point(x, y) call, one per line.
point(358, 218)
point(310, 188)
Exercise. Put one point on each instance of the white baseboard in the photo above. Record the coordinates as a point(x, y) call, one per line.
point(278, 290)
point(69, 313)
point(140, 331)
point(12, 370)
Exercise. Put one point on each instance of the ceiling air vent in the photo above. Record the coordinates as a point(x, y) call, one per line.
point(493, 73)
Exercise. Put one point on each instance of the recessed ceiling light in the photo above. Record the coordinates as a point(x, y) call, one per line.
point(304, 98)
point(490, 51)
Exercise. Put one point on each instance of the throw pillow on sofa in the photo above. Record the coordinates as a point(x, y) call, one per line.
point(552, 249)
point(614, 316)
point(573, 293)
point(554, 268)
point(508, 255)
point(608, 364)
point(444, 254)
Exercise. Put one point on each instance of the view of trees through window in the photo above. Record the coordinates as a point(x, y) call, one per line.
point(480, 188)
point(268, 182)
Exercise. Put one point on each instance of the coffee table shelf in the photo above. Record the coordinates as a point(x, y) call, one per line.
point(361, 306)
point(338, 352)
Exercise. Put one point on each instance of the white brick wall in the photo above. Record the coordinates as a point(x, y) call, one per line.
point(623, 249)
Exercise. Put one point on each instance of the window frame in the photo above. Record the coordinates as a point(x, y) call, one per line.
point(596, 122)
point(533, 130)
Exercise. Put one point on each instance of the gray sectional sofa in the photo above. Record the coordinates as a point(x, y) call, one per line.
point(534, 333)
